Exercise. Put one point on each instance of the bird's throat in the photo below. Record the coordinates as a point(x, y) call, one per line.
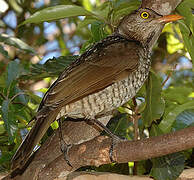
point(147, 40)
point(151, 40)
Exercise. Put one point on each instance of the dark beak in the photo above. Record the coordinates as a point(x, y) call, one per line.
point(169, 18)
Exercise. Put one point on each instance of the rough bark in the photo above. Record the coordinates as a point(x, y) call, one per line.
point(49, 163)
point(163, 7)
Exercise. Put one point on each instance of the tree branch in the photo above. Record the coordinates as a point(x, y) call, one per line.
point(49, 162)
point(163, 7)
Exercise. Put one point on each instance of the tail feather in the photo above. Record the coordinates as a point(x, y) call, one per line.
point(25, 150)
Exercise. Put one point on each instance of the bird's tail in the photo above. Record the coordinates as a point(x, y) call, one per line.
point(25, 150)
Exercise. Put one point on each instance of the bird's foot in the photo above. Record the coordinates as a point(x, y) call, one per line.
point(64, 146)
point(65, 149)
point(115, 141)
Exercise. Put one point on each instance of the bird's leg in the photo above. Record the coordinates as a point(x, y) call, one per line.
point(64, 146)
point(115, 139)
point(135, 117)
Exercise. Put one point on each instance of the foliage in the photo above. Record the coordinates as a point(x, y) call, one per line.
point(164, 106)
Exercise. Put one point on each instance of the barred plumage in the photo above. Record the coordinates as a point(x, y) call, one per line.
point(108, 99)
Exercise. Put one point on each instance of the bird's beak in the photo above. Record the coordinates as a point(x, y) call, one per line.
point(169, 18)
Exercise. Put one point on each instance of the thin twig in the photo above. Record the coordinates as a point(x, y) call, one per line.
point(20, 93)
point(3, 96)
point(168, 77)
point(135, 119)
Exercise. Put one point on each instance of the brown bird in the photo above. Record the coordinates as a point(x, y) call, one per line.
point(101, 79)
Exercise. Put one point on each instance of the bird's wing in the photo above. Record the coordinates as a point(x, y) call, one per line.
point(98, 71)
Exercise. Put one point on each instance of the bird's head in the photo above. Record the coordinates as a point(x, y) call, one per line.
point(144, 25)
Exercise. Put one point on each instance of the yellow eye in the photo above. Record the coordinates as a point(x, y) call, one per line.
point(145, 15)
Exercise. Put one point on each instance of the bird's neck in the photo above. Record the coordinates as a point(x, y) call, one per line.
point(146, 41)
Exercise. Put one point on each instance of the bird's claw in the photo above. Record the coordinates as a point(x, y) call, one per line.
point(115, 140)
point(65, 149)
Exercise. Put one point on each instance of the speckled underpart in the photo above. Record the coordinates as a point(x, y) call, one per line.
point(95, 105)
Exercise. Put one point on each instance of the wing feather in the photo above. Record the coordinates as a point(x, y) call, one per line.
point(99, 70)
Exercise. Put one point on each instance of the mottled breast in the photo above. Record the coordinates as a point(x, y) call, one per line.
point(106, 100)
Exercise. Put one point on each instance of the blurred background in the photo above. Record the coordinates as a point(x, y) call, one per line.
point(33, 55)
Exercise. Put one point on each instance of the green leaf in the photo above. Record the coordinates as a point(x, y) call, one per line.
point(34, 98)
point(177, 94)
point(55, 125)
point(3, 80)
point(187, 25)
point(154, 103)
point(121, 168)
point(188, 40)
point(2, 130)
point(184, 119)
point(123, 9)
point(3, 138)
point(52, 68)
point(57, 12)
point(5, 158)
point(8, 118)
point(121, 126)
point(87, 4)
point(98, 32)
point(87, 20)
point(169, 119)
point(13, 71)
point(168, 167)
point(13, 41)
point(155, 131)
point(21, 96)
point(4, 52)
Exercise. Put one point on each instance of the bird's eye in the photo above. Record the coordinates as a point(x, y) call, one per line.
point(145, 15)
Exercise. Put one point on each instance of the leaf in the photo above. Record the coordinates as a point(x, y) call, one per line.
point(21, 96)
point(8, 117)
point(168, 167)
point(55, 125)
point(57, 12)
point(5, 158)
point(13, 41)
point(2, 130)
point(13, 70)
point(4, 52)
point(188, 40)
point(169, 119)
point(123, 9)
point(121, 126)
point(3, 80)
point(87, 4)
point(184, 119)
point(177, 94)
point(97, 29)
point(34, 98)
point(154, 103)
point(52, 68)
point(87, 20)
point(155, 131)
point(187, 25)
point(3, 138)
point(121, 168)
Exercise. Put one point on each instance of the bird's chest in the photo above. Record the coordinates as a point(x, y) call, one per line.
point(111, 97)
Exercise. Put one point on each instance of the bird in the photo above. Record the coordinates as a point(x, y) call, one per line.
point(103, 78)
